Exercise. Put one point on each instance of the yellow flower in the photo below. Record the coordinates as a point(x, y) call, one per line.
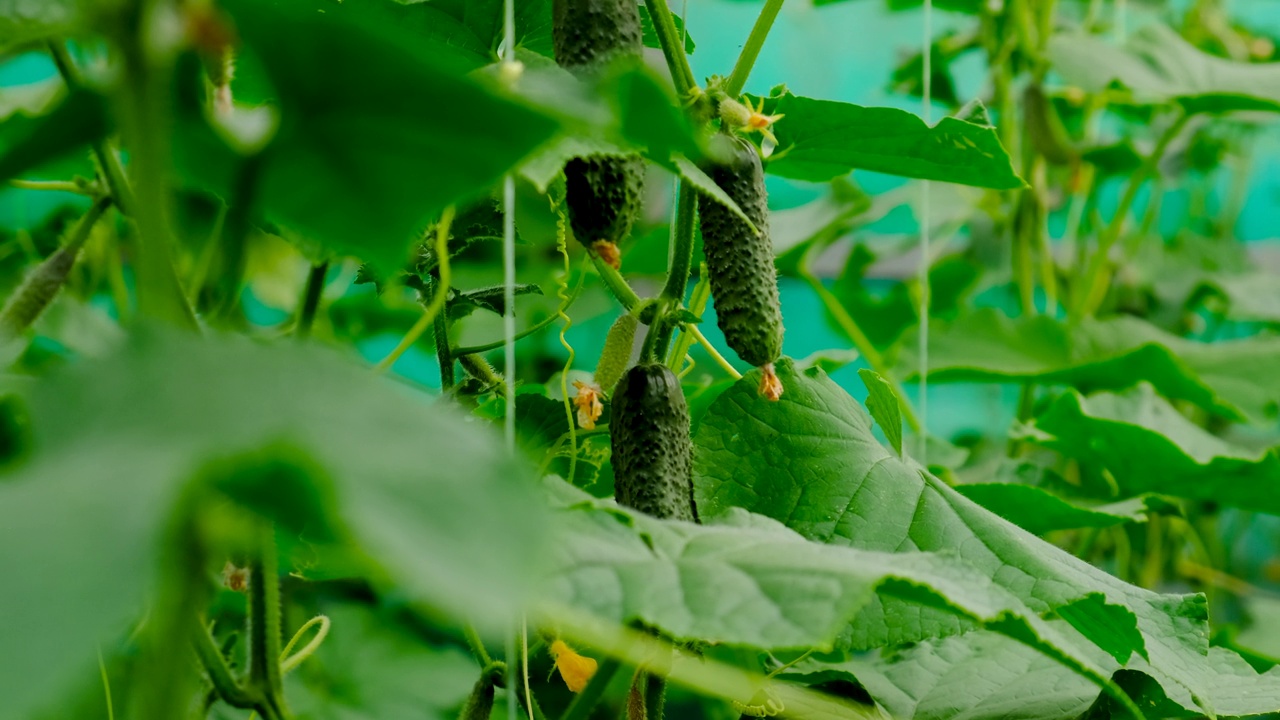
point(574, 668)
point(760, 122)
point(588, 403)
point(770, 385)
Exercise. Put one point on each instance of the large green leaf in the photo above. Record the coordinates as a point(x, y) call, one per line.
point(1148, 446)
point(373, 124)
point(444, 511)
point(820, 140)
point(811, 461)
point(978, 676)
point(747, 580)
point(1234, 379)
point(1156, 65)
point(24, 21)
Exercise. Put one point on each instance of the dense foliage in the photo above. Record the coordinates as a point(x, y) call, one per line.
point(229, 486)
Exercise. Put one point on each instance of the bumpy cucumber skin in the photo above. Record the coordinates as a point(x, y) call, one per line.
point(744, 281)
point(652, 450)
point(605, 192)
point(617, 352)
point(587, 34)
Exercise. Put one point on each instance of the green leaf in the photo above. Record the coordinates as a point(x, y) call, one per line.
point(71, 124)
point(882, 403)
point(1148, 446)
point(747, 580)
point(819, 140)
point(1234, 379)
point(1157, 66)
point(372, 123)
point(651, 35)
point(1039, 511)
point(977, 676)
point(423, 492)
point(25, 21)
point(694, 175)
point(811, 460)
point(487, 298)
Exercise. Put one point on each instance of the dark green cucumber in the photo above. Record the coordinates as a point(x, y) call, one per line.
point(604, 192)
point(744, 281)
point(652, 451)
point(587, 34)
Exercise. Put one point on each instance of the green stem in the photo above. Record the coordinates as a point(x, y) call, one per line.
point(107, 159)
point(672, 47)
point(861, 342)
point(655, 696)
point(264, 621)
point(751, 50)
point(616, 284)
point(486, 347)
point(1087, 300)
point(582, 705)
point(311, 298)
point(447, 377)
point(673, 291)
point(143, 113)
point(54, 186)
point(215, 666)
point(682, 244)
point(234, 238)
point(476, 645)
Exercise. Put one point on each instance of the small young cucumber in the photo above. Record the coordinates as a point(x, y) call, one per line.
point(744, 281)
point(617, 352)
point(652, 450)
point(604, 192)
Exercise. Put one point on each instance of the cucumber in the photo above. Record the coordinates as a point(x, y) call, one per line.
point(744, 281)
point(652, 451)
point(604, 192)
point(617, 352)
point(587, 34)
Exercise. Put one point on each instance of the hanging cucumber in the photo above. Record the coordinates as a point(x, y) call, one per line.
point(604, 192)
point(652, 450)
point(744, 281)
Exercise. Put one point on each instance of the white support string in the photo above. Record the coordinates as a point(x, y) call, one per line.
point(509, 324)
point(925, 228)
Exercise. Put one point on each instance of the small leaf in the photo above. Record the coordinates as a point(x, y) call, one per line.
point(651, 35)
point(489, 298)
point(821, 139)
point(882, 403)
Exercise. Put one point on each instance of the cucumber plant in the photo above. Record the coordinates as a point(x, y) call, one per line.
point(264, 449)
